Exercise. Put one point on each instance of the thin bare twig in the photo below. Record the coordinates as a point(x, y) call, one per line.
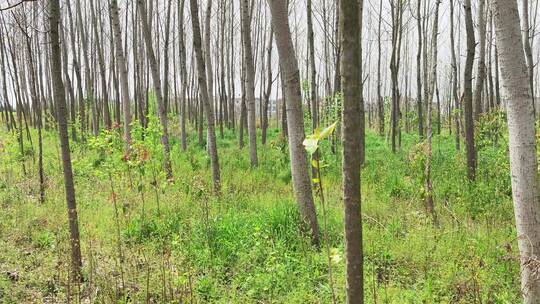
point(15, 5)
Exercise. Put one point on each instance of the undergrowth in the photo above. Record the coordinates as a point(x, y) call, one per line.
point(182, 245)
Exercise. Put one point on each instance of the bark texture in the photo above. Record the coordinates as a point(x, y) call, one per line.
point(122, 69)
point(522, 144)
point(206, 101)
point(295, 119)
point(481, 71)
point(249, 80)
point(60, 100)
point(468, 94)
point(352, 95)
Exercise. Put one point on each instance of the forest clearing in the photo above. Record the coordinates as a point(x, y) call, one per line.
point(269, 151)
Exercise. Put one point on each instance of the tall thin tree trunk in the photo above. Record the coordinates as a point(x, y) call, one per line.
point(491, 94)
point(122, 70)
point(243, 107)
point(425, 58)
point(428, 187)
point(223, 97)
point(362, 132)
point(481, 72)
point(59, 96)
point(527, 37)
point(69, 88)
point(468, 94)
point(351, 83)
point(88, 77)
point(232, 85)
point(183, 73)
point(313, 70)
point(102, 67)
point(249, 82)
point(380, 100)
point(312, 81)
point(76, 68)
point(269, 84)
point(295, 118)
point(397, 13)
point(207, 48)
point(455, 95)
point(497, 78)
point(157, 87)
point(166, 101)
point(201, 67)
point(419, 70)
point(36, 104)
point(522, 145)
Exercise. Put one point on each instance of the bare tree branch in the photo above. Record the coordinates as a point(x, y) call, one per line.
point(15, 5)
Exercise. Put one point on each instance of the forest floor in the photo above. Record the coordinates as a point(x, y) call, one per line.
point(174, 242)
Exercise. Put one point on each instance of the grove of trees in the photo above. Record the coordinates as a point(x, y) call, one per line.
point(401, 132)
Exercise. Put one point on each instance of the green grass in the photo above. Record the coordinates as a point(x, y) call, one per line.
point(248, 247)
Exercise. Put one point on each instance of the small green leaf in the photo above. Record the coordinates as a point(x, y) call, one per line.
point(316, 180)
point(314, 163)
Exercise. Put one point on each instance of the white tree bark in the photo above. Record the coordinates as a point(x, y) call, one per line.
point(523, 157)
point(249, 82)
point(481, 72)
point(122, 69)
